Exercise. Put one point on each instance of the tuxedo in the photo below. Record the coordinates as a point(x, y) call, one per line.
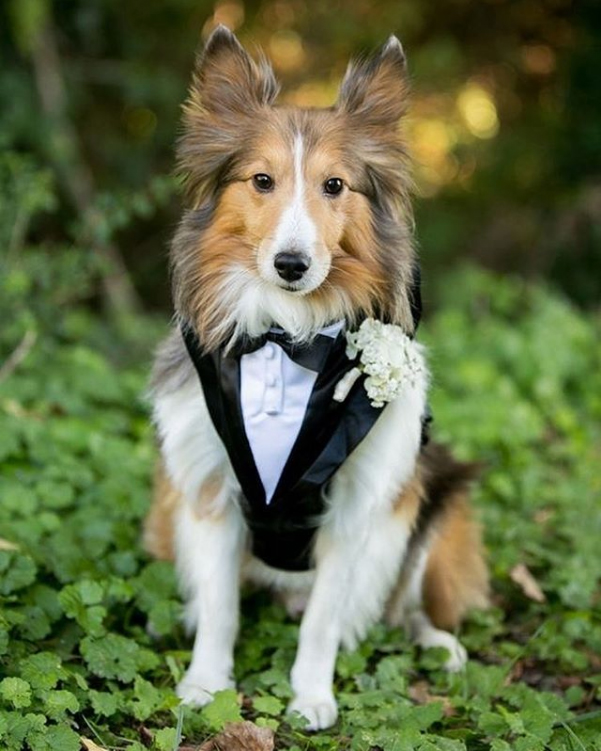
point(282, 496)
point(276, 383)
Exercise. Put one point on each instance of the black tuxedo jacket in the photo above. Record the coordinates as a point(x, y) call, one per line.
point(282, 531)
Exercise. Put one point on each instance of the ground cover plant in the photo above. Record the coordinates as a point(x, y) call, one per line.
point(517, 386)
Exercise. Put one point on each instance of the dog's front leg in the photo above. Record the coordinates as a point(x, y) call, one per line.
point(209, 551)
point(354, 576)
point(359, 549)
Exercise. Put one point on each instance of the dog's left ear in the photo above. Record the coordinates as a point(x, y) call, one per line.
point(374, 90)
point(228, 81)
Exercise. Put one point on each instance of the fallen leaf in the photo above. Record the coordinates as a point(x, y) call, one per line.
point(240, 736)
point(521, 576)
point(522, 668)
point(419, 692)
point(543, 515)
point(145, 735)
point(567, 681)
point(90, 745)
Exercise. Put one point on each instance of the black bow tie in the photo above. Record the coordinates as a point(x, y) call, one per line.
point(311, 356)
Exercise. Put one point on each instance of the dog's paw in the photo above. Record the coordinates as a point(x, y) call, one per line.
point(425, 635)
point(198, 690)
point(457, 652)
point(321, 712)
point(457, 657)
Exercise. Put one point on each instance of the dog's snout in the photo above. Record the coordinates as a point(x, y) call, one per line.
point(291, 265)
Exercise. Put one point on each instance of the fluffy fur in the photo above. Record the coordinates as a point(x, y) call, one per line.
point(397, 538)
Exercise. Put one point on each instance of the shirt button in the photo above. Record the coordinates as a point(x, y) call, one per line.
point(271, 381)
point(272, 410)
point(270, 351)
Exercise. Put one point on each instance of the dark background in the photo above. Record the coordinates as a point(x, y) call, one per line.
point(505, 127)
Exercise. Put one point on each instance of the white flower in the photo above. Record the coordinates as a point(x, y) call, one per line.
point(388, 357)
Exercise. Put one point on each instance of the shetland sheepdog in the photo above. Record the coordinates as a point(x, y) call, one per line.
point(298, 229)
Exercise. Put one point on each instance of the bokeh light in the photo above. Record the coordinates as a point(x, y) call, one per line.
point(478, 111)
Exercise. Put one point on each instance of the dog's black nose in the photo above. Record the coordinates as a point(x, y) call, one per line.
point(291, 265)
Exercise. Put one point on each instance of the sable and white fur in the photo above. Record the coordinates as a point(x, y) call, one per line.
point(396, 537)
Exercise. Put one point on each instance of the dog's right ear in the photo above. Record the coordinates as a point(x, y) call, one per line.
point(228, 80)
point(228, 91)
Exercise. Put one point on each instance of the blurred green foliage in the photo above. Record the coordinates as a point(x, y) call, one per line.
point(504, 124)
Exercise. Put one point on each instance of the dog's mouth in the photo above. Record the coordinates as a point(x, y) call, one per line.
point(299, 288)
point(294, 287)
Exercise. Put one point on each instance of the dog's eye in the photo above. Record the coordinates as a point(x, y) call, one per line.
point(333, 186)
point(262, 182)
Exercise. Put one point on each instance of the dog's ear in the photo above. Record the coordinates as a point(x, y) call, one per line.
point(374, 89)
point(227, 93)
point(228, 80)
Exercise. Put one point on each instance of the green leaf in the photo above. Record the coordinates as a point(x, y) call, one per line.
point(54, 737)
point(16, 691)
point(58, 703)
point(349, 664)
point(492, 723)
point(55, 495)
point(36, 625)
point(17, 571)
point(391, 674)
point(165, 739)
point(155, 584)
point(498, 745)
point(223, 709)
point(427, 714)
point(105, 703)
point(80, 601)
point(268, 705)
point(42, 670)
point(438, 743)
point(267, 722)
point(114, 656)
point(147, 699)
point(529, 743)
point(164, 616)
point(20, 726)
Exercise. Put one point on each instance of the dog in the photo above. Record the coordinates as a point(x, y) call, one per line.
point(298, 230)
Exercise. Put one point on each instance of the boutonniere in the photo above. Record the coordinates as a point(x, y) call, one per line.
point(387, 356)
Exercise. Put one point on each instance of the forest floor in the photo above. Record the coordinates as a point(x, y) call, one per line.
point(516, 385)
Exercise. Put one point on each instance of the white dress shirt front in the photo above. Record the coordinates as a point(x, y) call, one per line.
point(274, 393)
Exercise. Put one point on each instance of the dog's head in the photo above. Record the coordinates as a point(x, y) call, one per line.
point(297, 217)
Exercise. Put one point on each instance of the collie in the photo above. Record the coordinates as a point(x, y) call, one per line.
point(294, 449)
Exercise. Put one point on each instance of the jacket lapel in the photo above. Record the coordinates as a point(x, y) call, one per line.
point(329, 434)
point(220, 378)
point(320, 421)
